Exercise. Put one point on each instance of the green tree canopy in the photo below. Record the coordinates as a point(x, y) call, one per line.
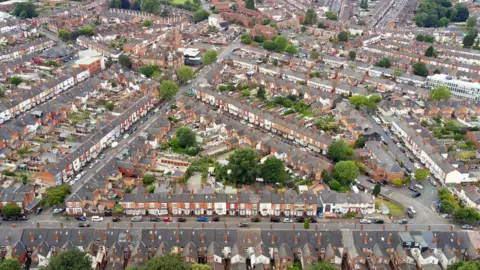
point(384, 63)
point(261, 92)
point(314, 55)
point(343, 36)
point(472, 22)
point(125, 61)
point(148, 179)
point(186, 137)
point(149, 71)
point(430, 52)
point(166, 262)
point(150, 6)
point(352, 55)
point(57, 195)
point(16, 80)
point(246, 39)
point(420, 69)
point(281, 43)
point(376, 189)
point(209, 57)
point(397, 182)
point(463, 265)
point(272, 171)
point(243, 166)
point(11, 210)
point(321, 265)
point(440, 93)
point(24, 10)
point(73, 259)
point(200, 15)
point(331, 16)
point(306, 224)
point(185, 73)
point(291, 50)
point(269, 45)
point(360, 142)
point(346, 171)
point(168, 89)
point(421, 174)
point(468, 214)
point(339, 150)
point(250, 4)
point(310, 17)
point(198, 266)
point(447, 207)
point(10, 264)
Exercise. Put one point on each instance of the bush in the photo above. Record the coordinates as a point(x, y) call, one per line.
point(397, 182)
point(148, 179)
point(350, 214)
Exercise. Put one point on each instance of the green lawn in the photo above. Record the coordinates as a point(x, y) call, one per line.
point(395, 209)
point(178, 1)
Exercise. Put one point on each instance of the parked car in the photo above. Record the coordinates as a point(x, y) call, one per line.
point(116, 219)
point(419, 186)
point(467, 227)
point(416, 194)
point(402, 149)
point(202, 219)
point(108, 213)
point(155, 219)
point(181, 219)
point(371, 181)
point(136, 218)
point(411, 159)
point(255, 219)
point(97, 218)
point(167, 219)
point(416, 165)
point(275, 219)
point(216, 219)
point(243, 225)
point(313, 220)
point(403, 221)
point(446, 215)
point(411, 209)
point(365, 221)
point(80, 218)
point(383, 183)
point(378, 221)
point(410, 214)
point(287, 220)
point(300, 220)
point(83, 225)
point(38, 211)
point(433, 182)
point(58, 210)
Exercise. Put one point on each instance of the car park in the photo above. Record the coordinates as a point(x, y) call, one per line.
point(181, 219)
point(416, 194)
point(58, 210)
point(410, 215)
point(313, 220)
point(202, 219)
point(365, 221)
point(243, 225)
point(446, 216)
point(467, 227)
point(116, 219)
point(97, 218)
point(155, 219)
point(411, 209)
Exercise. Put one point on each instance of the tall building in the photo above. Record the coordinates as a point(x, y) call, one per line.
point(459, 88)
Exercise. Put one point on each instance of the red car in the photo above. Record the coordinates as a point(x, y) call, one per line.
point(167, 219)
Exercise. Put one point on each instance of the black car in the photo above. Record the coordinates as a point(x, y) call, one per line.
point(255, 219)
point(412, 188)
point(313, 220)
point(383, 183)
point(116, 219)
point(412, 160)
point(216, 219)
point(408, 170)
point(155, 219)
point(243, 225)
point(181, 219)
point(80, 218)
point(6, 218)
point(83, 225)
point(416, 194)
point(367, 173)
point(300, 220)
point(275, 219)
point(108, 213)
point(38, 211)
point(403, 150)
point(378, 221)
point(403, 221)
point(410, 214)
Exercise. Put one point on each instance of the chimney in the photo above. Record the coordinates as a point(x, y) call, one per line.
point(319, 239)
point(191, 194)
point(365, 239)
point(177, 237)
point(152, 237)
point(305, 195)
point(32, 238)
point(273, 238)
point(80, 236)
point(202, 238)
point(296, 239)
point(105, 237)
point(169, 194)
point(236, 196)
point(459, 240)
point(129, 237)
point(435, 239)
point(389, 239)
point(56, 236)
point(225, 238)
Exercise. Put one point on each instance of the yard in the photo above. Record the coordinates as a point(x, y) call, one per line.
point(395, 209)
point(178, 2)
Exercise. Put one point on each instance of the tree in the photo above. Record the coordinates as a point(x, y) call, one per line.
point(420, 69)
point(364, 4)
point(310, 17)
point(125, 61)
point(243, 166)
point(472, 22)
point(352, 55)
point(421, 174)
point(15, 80)
point(397, 72)
point(209, 57)
point(63, 34)
point(73, 259)
point(443, 22)
point(384, 63)
point(272, 171)
point(346, 171)
point(146, 23)
point(166, 262)
point(200, 15)
point(186, 137)
point(306, 224)
point(168, 89)
point(109, 106)
point(468, 41)
point(149, 71)
point(291, 50)
point(376, 189)
point(185, 73)
point(358, 101)
point(430, 52)
point(261, 92)
point(281, 43)
point(150, 6)
point(314, 55)
point(250, 4)
point(339, 150)
point(463, 265)
point(343, 36)
point(331, 16)
point(269, 45)
point(321, 26)
point(56, 195)
point(246, 93)
point(360, 142)
point(397, 182)
point(137, 5)
point(11, 210)
point(24, 10)
point(115, 4)
point(246, 39)
point(303, 29)
point(148, 179)
point(125, 4)
point(447, 207)
point(321, 265)
point(275, 62)
point(468, 214)
point(11, 264)
point(198, 266)
point(440, 93)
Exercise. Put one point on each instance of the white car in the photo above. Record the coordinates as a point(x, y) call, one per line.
point(416, 165)
point(411, 209)
point(83, 173)
point(91, 165)
point(97, 218)
point(419, 186)
point(58, 210)
point(78, 176)
point(433, 182)
point(126, 136)
point(287, 220)
point(399, 144)
point(67, 180)
point(365, 221)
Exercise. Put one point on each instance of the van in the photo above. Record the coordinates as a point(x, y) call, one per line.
point(97, 218)
point(136, 218)
point(114, 144)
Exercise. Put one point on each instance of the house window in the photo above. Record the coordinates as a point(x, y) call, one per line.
point(209, 205)
point(242, 206)
point(128, 205)
point(232, 206)
point(164, 205)
point(152, 205)
point(141, 205)
point(187, 205)
point(287, 206)
point(197, 205)
point(174, 205)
